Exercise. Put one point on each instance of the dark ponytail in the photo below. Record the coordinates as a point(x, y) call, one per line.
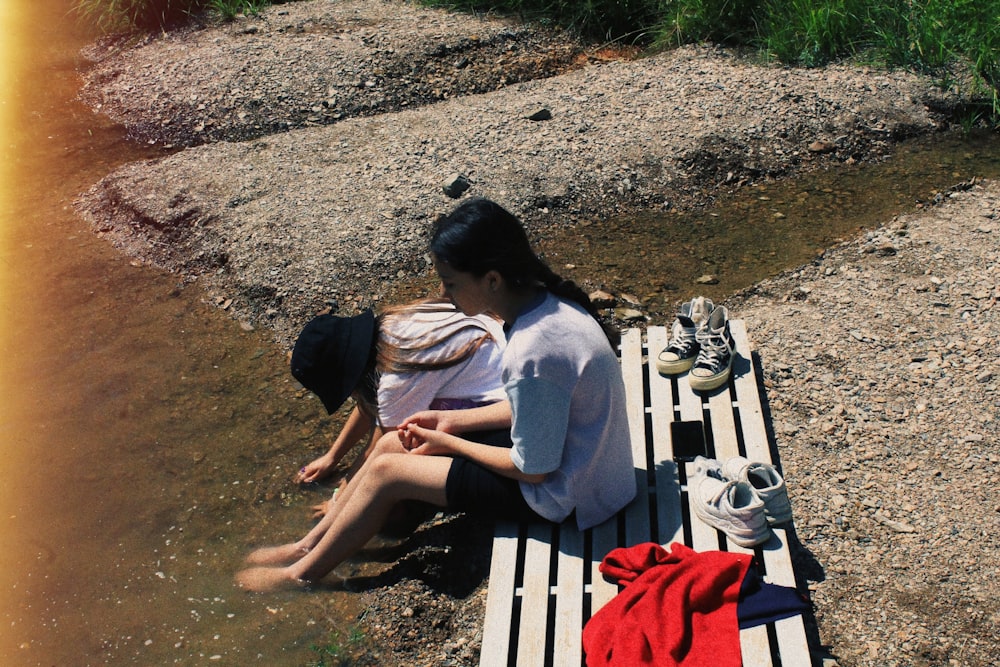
point(481, 236)
point(569, 290)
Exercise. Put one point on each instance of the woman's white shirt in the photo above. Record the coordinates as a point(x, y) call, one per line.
point(567, 398)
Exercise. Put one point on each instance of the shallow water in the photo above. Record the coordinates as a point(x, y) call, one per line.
point(762, 230)
point(148, 439)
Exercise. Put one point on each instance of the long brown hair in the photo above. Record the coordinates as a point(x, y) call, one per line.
point(396, 353)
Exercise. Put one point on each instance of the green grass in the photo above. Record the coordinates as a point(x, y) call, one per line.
point(153, 15)
point(933, 36)
point(812, 33)
point(142, 15)
point(729, 22)
point(337, 651)
point(230, 9)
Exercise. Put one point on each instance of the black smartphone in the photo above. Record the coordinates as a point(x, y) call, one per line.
point(688, 439)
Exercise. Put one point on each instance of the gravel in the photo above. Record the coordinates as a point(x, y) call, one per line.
point(880, 363)
point(318, 142)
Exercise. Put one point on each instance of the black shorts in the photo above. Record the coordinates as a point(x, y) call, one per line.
point(474, 489)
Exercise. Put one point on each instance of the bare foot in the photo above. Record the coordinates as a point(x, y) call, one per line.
point(284, 554)
point(319, 511)
point(268, 580)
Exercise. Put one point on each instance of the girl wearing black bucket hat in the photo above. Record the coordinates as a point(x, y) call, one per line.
point(418, 356)
point(571, 454)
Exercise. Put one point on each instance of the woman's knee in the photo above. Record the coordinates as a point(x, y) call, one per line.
point(383, 464)
point(410, 477)
point(388, 444)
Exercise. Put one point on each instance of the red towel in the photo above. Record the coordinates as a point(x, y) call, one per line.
point(677, 608)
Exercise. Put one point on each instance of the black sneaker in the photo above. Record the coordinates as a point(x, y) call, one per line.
point(715, 357)
point(683, 347)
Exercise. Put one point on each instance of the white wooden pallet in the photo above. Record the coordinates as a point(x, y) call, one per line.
point(544, 580)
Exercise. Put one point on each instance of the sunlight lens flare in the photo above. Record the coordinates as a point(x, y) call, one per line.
point(13, 55)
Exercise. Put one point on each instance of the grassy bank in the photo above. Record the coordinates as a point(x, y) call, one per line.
point(153, 15)
point(947, 38)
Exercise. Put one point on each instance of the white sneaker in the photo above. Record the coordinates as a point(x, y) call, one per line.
point(682, 349)
point(730, 506)
point(766, 482)
point(715, 355)
point(705, 466)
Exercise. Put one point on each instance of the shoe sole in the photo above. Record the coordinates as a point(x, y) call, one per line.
point(710, 382)
point(782, 515)
point(674, 367)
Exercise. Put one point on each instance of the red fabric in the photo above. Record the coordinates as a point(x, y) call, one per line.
point(677, 608)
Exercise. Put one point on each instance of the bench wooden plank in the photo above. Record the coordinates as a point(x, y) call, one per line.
point(570, 601)
point(754, 643)
point(792, 642)
point(533, 629)
point(535, 618)
point(603, 539)
point(669, 517)
point(703, 536)
point(637, 513)
point(500, 597)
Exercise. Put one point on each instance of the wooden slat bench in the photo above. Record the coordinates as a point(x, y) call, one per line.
point(544, 580)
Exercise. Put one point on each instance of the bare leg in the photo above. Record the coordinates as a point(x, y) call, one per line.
point(354, 519)
point(286, 554)
point(386, 444)
point(372, 447)
point(283, 554)
point(392, 444)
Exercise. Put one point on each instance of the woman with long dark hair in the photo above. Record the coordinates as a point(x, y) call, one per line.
point(569, 455)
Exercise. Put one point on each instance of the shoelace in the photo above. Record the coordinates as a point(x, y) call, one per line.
point(712, 352)
point(681, 338)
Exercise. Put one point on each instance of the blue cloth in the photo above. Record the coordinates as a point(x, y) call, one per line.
point(761, 602)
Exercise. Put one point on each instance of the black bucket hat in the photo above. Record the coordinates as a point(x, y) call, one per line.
point(330, 355)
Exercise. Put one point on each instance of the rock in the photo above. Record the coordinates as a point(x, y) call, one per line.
point(455, 185)
point(602, 299)
point(541, 114)
point(822, 147)
point(708, 279)
point(629, 314)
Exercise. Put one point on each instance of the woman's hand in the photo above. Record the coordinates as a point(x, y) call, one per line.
point(420, 439)
point(425, 421)
point(438, 420)
point(484, 418)
point(417, 439)
point(315, 471)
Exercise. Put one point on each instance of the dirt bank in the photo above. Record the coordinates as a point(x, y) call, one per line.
point(327, 161)
point(280, 226)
